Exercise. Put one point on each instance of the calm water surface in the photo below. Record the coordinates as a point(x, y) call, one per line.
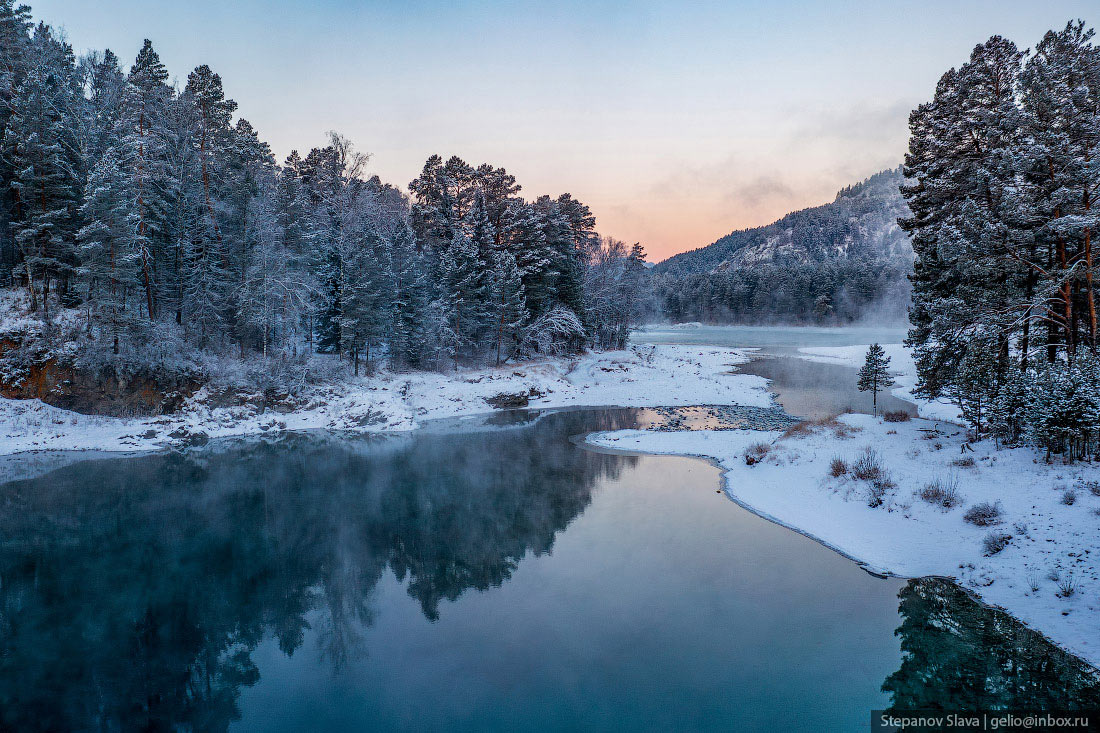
point(803, 388)
point(498, 577)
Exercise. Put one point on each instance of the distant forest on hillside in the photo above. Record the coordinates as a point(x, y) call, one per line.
point(829, 264)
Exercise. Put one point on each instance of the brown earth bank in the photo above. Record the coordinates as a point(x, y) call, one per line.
point(97, 393)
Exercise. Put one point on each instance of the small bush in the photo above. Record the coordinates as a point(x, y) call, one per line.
point(896, 416)
point(876, 491)
point(1033, 583)
point(1069, 497)
point(994, 542)
point(757, 452)
point(967, 462)
point(1068, 587)
point(838, 467)
point(984, 514)
point(942, 491)
point(1093, 487)
point(868, 466)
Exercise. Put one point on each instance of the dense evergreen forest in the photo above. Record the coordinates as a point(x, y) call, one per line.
point(828, 264)
point(1004, 171)
point(146, 226)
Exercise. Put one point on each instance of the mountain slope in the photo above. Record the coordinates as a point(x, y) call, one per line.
point(860, 223)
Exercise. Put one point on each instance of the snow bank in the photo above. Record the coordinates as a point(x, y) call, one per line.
point(901, 365)
point(1053, 544)
point(642, 376)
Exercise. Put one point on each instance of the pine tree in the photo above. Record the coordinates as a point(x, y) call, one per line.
point(969, 272)
point(40, 143)
point(874, 376)
point(108, 245)
point(466, 292)
point(144, 105)
point(15, 60)
point(183, 213)
point(508, 302)
point(215, 112)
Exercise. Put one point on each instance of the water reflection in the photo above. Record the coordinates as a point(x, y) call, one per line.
point(132, 591)
point(137, 593)
point(815, 390)
point(960, 655)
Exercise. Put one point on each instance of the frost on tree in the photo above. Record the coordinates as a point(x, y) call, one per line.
point(161, 219)
point(874, 375)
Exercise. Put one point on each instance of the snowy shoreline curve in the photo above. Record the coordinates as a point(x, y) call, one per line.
point(643, 376)
point(1053, 545)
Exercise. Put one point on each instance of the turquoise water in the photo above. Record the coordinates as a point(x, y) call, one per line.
point(498, 577)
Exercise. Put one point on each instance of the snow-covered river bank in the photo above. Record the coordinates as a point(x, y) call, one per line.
point(640, 376)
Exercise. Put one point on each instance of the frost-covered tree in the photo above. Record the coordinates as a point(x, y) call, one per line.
point(509, 306)
point(874, 375)
point(1004, 163)
point(41, 144)
point(164, 218)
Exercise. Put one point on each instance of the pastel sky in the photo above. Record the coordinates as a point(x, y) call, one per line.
point(677, 122)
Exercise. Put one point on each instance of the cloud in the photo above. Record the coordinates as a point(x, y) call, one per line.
point(763, 189)
point(867, 127)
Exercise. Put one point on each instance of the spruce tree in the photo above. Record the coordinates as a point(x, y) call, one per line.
point(508, 302)
point(40, 143)
point(874, 376)
point(15, 60)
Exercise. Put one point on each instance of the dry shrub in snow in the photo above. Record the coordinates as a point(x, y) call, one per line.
point(994, 542)
point(1068, 587)
point(1069, 497)
point(896, 416)
point(808, 427)
point(756, 453)
point(877, 490)
point(868, 466)
point(838, 467)
point(984, 514)
point(942, 491)
point(967, 462)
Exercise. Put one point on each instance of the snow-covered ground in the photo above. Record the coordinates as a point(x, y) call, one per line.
point(644, 375)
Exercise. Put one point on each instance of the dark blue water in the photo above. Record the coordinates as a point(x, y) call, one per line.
point(498, 578)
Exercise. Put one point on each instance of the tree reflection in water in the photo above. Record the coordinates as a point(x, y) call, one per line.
point(133, 591)
point(961, 655)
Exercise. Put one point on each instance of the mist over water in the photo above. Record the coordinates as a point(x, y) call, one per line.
point(803, 388)
point(813, 390)
point(770, 338)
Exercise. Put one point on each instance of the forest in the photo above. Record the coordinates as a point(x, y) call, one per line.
point(1003, 175)
point(147, 227)
point(788, 291)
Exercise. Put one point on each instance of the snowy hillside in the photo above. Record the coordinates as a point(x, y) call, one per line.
point(860, 222)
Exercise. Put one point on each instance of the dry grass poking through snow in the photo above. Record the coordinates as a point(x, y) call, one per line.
point(809, 427)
